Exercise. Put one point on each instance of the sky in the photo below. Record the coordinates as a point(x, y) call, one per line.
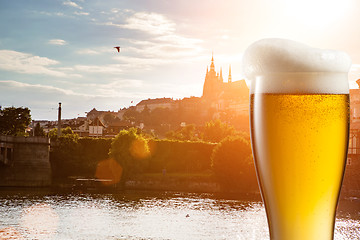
point(55, 51)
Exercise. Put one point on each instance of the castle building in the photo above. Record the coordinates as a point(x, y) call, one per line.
point(151, 104)
point(213, 81)
point(222, 96)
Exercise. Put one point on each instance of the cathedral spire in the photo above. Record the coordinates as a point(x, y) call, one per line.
point(212, 66)
point(230, 78)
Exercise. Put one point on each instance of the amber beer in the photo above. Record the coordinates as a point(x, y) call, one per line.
point(299, 144)
point(299, 103)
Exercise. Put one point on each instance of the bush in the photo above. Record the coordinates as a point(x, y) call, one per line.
point(233, 166)
point(74, 156)
point(53, 133)
point(179, 156)
point(64, 156)
point(215, 131)
point(91, 152)
point(131, 151)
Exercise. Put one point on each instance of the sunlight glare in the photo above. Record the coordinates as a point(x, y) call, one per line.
point(108, 169)
point(139, 149)
point(319, 13)
point(39, 221)
point(10, 233)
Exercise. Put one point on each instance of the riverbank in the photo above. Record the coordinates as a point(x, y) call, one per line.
point(173, 182)
point(203, 183)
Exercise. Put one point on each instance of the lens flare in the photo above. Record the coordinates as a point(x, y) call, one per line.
point(139, 149)
point(107, 170)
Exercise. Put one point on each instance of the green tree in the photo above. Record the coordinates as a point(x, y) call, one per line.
point(38, 130)
point(63, 157)
point(53, 133)
point(215, 131)
point(67, 131)
point(187, 133)
point(233, 166)
point(14, 121)
point(131, 151)
point(73, 156)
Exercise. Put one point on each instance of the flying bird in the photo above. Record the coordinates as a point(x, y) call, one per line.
point(118, 48)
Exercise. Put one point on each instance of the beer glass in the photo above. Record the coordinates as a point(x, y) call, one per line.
point(299, 132)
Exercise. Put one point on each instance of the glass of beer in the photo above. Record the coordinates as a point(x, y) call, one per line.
point(299, 117)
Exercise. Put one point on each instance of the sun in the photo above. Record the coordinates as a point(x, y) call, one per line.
point(317, 13)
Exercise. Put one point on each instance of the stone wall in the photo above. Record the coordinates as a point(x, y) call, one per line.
point(24, 161)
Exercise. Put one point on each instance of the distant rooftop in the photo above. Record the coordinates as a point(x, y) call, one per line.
point(156, 101)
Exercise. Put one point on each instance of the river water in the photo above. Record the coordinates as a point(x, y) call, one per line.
point(26, 214)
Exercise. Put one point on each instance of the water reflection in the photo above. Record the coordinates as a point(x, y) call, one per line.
point(143, 215)
point(39, 221)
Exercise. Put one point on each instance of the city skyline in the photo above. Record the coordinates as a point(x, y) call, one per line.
point(63, 51)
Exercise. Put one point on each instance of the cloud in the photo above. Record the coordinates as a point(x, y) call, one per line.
point(37, 87)
point(59, 14)
point(152, 23)
point(179, 40)
point(108, 69)
point(59, 42)
point(162, 43)
point(71, 4)
point(96, 50)
point(43, 100)
point(159, 51)
point(81, 13)
point(27, 63)
point(127, 88)
point(112, 89)
point(134, 59)
point(87, 52)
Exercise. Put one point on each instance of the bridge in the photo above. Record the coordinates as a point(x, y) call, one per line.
point(24, 161)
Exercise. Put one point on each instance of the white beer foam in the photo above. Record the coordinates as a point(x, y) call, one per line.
point(284, 66)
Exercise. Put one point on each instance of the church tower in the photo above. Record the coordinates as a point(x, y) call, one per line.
point(212, 65)
point(213, 82)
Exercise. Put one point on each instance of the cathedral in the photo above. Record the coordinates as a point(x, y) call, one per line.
point(230, 95)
